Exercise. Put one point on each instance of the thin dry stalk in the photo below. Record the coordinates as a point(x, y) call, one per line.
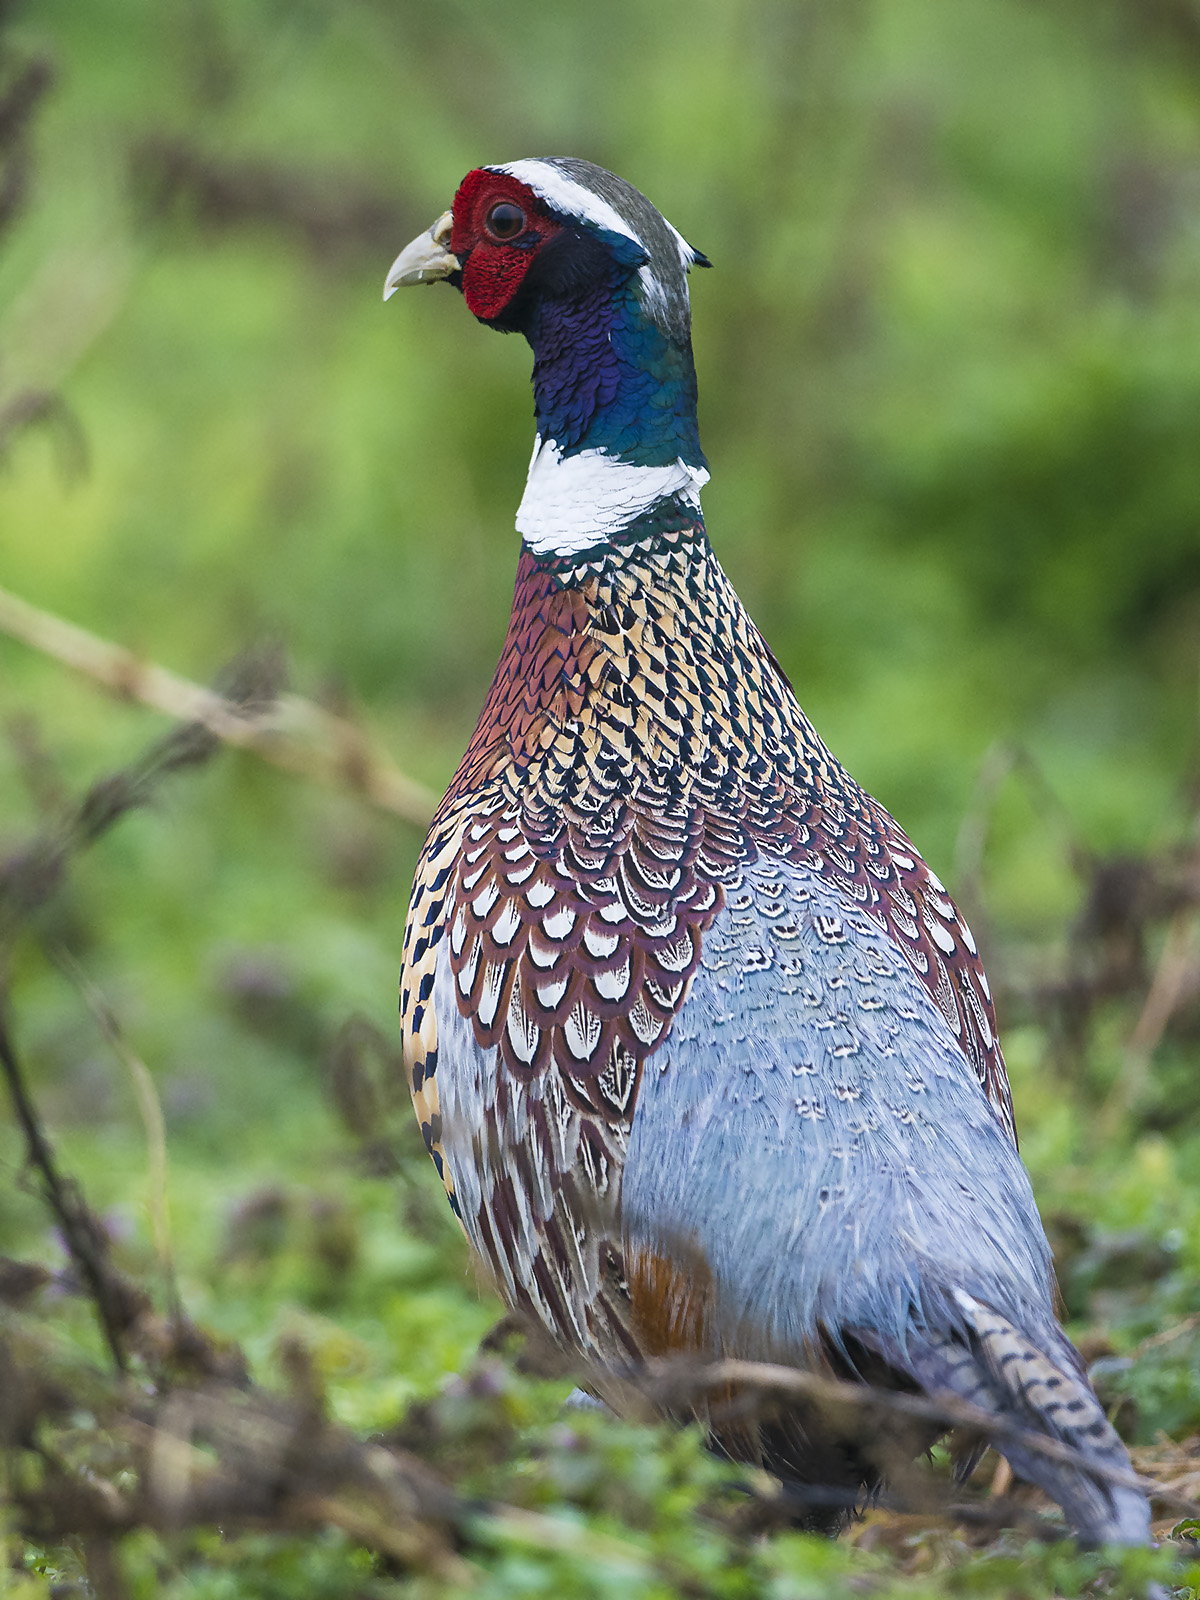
point(149, 1109)
point(289, 731)
point(1174, 982)
point(117, 1303)
point(672, 1382)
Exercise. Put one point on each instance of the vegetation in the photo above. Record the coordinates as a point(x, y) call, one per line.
point(950, 391)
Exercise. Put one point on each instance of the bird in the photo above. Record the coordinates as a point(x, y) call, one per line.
point(700, 1046)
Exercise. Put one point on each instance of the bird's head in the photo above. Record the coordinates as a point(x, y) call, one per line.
point(582, 264)
point(551, 228)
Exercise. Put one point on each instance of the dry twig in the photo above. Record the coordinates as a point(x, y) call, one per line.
point(1175, 981)
point(150, 1111)
point(118, 1303)
point(672, 1382)
point(287, 730)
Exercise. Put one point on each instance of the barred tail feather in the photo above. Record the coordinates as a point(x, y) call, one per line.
point(1002, 1370)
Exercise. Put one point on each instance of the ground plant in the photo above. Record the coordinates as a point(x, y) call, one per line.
point(256, 555)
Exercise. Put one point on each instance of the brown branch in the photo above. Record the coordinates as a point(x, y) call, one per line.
point(29, 407)
point(1165, 1336)
point(288, 731)
point(1174, 983)
point(28, 879)
point(18, 102)
point(331, 213)
point(673, 1382)
point(31, 875)
point(118, 1303)
point(243, 1458)
point(149, 1109)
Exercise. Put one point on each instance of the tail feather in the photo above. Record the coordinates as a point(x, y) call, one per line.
point(1043, 1387)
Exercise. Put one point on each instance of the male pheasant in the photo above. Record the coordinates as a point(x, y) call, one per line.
point(701, 1048)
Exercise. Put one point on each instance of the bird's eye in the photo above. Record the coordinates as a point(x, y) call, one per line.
point(505, 221)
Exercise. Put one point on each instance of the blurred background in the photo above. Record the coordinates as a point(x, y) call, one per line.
point(949, 368)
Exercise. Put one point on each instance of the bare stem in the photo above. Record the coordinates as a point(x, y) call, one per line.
point(81, 1231)
point(290, 731)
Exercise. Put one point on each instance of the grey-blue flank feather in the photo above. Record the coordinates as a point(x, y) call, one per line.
point(853, 1173)
point(811, 1133)
point(856, 1183)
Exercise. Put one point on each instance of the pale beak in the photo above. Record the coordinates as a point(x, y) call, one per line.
point(426, 260)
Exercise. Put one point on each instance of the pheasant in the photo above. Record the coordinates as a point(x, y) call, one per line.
point(701, 1048)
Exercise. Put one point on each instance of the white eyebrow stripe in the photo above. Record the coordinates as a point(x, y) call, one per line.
point(686, 254)
point(567, 196)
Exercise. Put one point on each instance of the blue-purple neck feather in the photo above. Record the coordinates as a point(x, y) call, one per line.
point(607, 376)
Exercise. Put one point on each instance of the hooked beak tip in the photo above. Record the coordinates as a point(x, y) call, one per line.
point(427, 259)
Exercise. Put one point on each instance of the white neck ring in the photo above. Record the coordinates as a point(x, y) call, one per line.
point(575, 503)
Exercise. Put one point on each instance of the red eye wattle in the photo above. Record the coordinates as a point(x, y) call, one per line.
point(505, 221)
point(497, 222)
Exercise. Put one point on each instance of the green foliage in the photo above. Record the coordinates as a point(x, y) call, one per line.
point(948, 368)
